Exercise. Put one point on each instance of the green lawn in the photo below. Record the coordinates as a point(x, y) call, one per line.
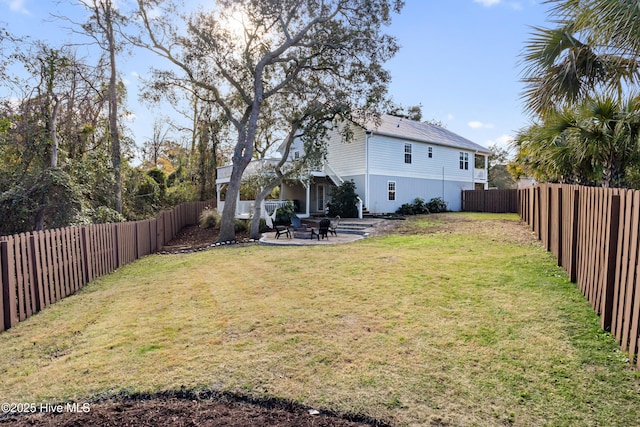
point(458, 319)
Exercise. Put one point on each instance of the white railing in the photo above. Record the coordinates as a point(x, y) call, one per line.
point(224, 172)
point(271, 205)
point(337, 180)
point(480, 174)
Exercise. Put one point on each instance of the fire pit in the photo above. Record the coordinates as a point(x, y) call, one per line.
point(304, 233)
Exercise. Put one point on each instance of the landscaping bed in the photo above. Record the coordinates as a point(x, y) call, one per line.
point(182, 410)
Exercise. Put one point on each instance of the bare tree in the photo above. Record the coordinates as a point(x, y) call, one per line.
point(248, 51)
point(102, 27)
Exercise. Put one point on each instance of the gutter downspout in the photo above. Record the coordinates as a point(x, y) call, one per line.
point(366, 173)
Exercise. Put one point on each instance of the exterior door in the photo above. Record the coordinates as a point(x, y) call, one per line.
point(321, 197)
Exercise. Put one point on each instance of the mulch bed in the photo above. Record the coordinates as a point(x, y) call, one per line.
point(185, 410)
point(194, 238)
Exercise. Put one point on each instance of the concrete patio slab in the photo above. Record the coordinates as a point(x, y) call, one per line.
point(349, 231)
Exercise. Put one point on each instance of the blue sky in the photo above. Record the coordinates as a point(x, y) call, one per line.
point(459, 59)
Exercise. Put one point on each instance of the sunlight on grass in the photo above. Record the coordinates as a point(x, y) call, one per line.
point(460, 318)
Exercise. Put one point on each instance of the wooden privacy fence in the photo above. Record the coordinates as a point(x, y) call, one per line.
point(496, 201)
point(40, 268)
point(594, 234)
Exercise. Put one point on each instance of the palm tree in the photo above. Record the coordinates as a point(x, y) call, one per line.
point(549, 151)
point(594, 142)
point(610, 129)
point(594, 48)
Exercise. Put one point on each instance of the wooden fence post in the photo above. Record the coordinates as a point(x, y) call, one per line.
point(573, 272)
point(560, 227)
point(37, 273)
point(116, 246)
point(86, 249)
point(9, 281)
point(610, 259)
point(2, 291)
point(550, 218)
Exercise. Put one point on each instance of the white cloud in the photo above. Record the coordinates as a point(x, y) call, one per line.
point(487, 3)
point(517, 6)
point(503, 141)
point(480, 125)
point(17, 6)
point(135, 75)
point(450, 116)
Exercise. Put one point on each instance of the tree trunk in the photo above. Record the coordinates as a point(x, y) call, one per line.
point(242, 155)
point(54, 133)
point(203, 142)
point(116, 156)
point(257, 212)
point(227, 222)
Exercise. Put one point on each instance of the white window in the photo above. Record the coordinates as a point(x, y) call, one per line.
point(464, 161)
point(430, 152)
point(391, 186)
point(407, 153)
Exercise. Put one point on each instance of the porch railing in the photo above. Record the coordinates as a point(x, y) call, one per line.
point(271, 205)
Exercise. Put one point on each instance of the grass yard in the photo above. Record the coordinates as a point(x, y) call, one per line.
point(453, 319)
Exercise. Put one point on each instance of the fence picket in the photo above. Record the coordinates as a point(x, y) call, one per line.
point(41, 268)
point(9, 296)
point(631, 273)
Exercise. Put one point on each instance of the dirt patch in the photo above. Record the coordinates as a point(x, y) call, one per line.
point(186, 410)
point(195, 238)
point(504, 230)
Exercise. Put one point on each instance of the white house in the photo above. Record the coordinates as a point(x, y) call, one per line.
point(391, 163)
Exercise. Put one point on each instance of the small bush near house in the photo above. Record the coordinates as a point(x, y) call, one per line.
point(419, 207)
point(209, 218)
point(283, 216)
point(437, 205)
point(240, 225)
point(344, 201)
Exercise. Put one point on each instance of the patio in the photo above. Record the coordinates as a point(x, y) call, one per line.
point(349, 230)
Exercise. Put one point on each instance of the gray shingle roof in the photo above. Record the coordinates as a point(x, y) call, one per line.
point(424, 132)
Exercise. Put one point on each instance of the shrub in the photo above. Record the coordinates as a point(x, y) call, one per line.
point(159, 177)
point(405, 209)
point(344, 201)
point(240, 225)
point(284, 214)
point(181, 192)
point(209, 218)
point(105, 215)
point(437, 205)
point(419, 207)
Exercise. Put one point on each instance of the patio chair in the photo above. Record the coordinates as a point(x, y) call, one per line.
point(279, 229)
point(323, 229)
point(295, 221)
point(333, 226)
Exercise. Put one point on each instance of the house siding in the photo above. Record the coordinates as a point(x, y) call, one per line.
point(408, 189)
point(387, 157)
point(347, 158)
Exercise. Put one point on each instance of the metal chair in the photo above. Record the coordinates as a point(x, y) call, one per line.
point(323, 228)
point(279, 229)
point(333, 227)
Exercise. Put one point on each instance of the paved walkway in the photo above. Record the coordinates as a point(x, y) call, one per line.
point(349, 230)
